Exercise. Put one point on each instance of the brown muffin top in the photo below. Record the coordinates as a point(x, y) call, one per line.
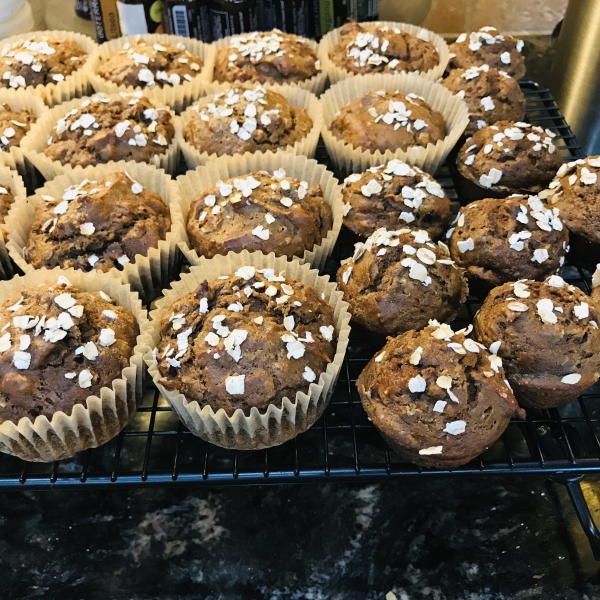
point(143, 65)
point(375, 48)
point(259, 212)
point(488, 46)
point(6, 200)
point(490, 94)
point(247, 340)
point(266, 57)
point(105, 128)
point(39, 60)
point(437, 397)
point(14, 126)
point(510, 156)
point(575, 191)
point(393, 196)
point(500, 240)
point(59, 345)
point(97, 225)
point(398, 280)
point(383, 121)
point(245, 119)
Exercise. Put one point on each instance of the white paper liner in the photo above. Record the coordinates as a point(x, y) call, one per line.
point(294, 95)
point(277, 424)
point(315, 84)
point(76, 84)
point(19, 100)
point(195, 182)
point(100, 418)
point(147, 275)
point(356, 160)
point(177, 97)
point(37, 141)
point(337, 73)
point(12, 181)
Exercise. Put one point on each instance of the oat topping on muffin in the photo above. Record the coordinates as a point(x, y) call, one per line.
point(246, 340)
point(14, 126)
point(141, 64)
point(39, 61)
point(266, 57)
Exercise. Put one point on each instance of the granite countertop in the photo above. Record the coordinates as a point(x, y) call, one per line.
point(438, 539)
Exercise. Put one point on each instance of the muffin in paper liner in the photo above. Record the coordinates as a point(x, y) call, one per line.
point(316, 84)
point(355, 160)
point(337, 73)
point(37, 141)
point(277, 424)
point(12, 181)
point(101, 418)
point(195, 182)
point(76, 84)
point(147, 275)
point(295, 96)
point(177, 97)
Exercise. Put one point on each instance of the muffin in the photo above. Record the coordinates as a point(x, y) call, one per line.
point(491, 95)
point(548, 338)
point(141, 64)
point(497, 241)
point(382, 120)
point(377, 48)
point(438, 398)
point(259, 212)
point(575, 191)
point(59, 346)
point(39, 60)
point(97, 225)
point(399, 280)
point(245, 341)
point(104, 128)
point(507, 158)
point(488, 47)
point(245, 119)
point(14, 126)
point(266, 57)
point(393, 196)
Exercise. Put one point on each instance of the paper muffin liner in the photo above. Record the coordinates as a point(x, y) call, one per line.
point(12, 180)
point(37, 141)
point(73, 86)
point(177, 97)
point(337, 73)
point(195, 182)
point(147, 275)
point(278, 423)
point(294, 95)
point(356, 160)
point(315, 84)
point(99, 419)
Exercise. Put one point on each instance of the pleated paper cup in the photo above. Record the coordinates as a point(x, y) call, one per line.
point(12, 181)
point(177, 97)
point(19, 100)
point(195, 182)
point(147, 275)
point(279, 422)
point(315, 84)
point(76, 84)
point(294, 95)
point(37, 141)
point(356, 160)
point(337, 73)
point(99, 419)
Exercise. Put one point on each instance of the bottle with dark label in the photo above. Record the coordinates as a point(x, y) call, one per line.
point(334, 13)
point(290, 16)
point(106, 19)
point(232, 16)
point(82, 8)
point(188, 18)
point(139, 16)
point(362, 10)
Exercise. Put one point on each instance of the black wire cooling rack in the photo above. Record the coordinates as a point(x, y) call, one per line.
point(155, 449)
